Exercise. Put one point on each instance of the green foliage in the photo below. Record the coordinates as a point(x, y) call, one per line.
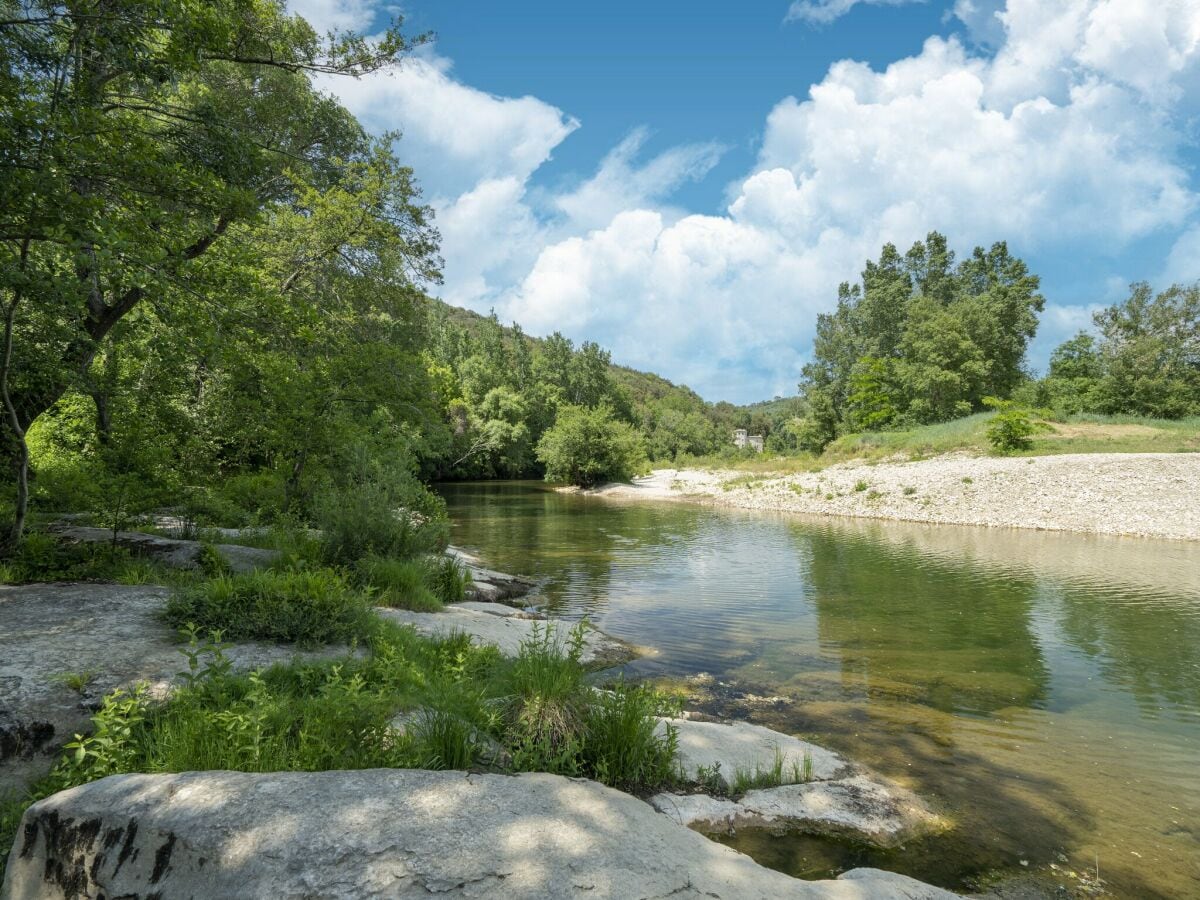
point(307, 607)
point(447, 579)
point(338, 715)
point(1011, 429)
point(41, 556)
point(377, 509)
point(400, 583)
point(588, 446)
point(920, 340)
point(623, 746)
point(1145, 362)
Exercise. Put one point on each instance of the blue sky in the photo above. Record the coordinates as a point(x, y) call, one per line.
point(688, 187)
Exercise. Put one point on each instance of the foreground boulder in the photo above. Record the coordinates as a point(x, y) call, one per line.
point(64, 646)
point(385, 833)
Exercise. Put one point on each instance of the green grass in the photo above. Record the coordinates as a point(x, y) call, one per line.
point(1084, 433)
point(471, 708)
point(306, 607)
point(780, 772)
point(42, 557)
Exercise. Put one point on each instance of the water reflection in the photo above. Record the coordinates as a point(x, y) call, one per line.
point(1045, 688)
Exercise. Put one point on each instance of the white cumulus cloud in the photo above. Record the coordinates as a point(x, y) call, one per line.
point(822, 12)
point(1060, 137)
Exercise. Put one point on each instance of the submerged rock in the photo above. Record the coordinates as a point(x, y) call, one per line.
point(857, 807)
point(508, 633)
point(817, 792)
point(173, 552)
point(64, 646)
point(722, 751)
point(386, 833)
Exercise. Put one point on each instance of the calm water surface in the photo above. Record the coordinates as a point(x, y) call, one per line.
point(1043, 690)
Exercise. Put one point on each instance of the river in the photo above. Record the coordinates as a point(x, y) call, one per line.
point(1041, 689)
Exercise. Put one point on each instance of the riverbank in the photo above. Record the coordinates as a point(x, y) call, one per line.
point(1137, 494)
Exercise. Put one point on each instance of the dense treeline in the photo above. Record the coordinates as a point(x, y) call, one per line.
point(1144, 359)
point(923, 339)
point(214, 286)
point(504, 392)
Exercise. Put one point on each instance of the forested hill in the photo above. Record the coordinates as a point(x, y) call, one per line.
point(505, 389)
point(641, 386)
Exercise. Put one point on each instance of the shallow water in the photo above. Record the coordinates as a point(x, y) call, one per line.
point(1041, 689)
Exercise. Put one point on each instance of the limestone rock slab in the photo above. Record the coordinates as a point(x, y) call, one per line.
point(109, 632)
point(507, 633)
point(746, 748)
point(385, 833)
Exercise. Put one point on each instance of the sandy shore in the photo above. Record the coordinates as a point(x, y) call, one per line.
point(1143, 494)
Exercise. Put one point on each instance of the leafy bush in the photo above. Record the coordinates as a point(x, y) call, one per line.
point(43, 557)
point(305, 607)
point(588, 446)
point(1011, 429)
point(371, 519)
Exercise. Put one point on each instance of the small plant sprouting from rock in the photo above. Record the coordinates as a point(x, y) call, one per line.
point(967, 479)
point(75, 681)
point(909, 491)
point(860, 486)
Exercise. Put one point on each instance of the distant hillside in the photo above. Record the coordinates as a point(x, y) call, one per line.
point(641, 387)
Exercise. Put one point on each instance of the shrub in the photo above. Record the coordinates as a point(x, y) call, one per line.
point(1011, 429)
point(546, 703)
point(588, 446)
point(43, 557)
point(371, 519)
point(305, 607)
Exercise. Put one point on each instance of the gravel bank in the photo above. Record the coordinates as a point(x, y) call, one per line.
point(1143, 494)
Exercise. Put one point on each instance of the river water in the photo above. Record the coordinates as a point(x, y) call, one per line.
point(1042, 690)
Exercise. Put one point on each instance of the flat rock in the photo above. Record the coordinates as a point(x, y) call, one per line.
point(740, 747)
point(859, 807)
point(110, 632)
point(385, 833)
point(507, 633)
point(499, 609)
point(173, 552)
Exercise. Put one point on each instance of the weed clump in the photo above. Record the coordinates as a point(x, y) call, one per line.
point(306, 607)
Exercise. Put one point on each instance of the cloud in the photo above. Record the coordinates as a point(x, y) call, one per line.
point(454, 135)
point(1183, 263)
point(621, 184)
point(1059, 139)
point(823, 12)
point(1072, 155)
point(335, 15)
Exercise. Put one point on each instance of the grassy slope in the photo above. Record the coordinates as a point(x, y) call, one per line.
point(1078, 434)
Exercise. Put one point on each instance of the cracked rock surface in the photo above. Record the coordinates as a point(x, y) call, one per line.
point(107, 634)
point(385, 833)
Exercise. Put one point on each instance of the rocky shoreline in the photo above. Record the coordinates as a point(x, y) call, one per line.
point(196, 833)
point(1154, 495)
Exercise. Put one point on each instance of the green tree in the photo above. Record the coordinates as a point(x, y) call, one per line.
point(587, 446)
point(137, 137)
